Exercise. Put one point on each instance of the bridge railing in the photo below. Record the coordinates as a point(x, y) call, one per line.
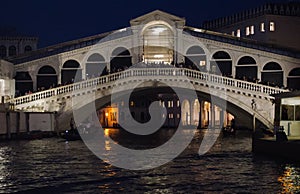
point(197, 76)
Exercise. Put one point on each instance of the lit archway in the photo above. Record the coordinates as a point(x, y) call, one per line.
point(158, 44)
point(221, 63)
point(71, 72)
point(293, 79)
point(46, 77)
point(196, 113)
point(195, 58)
point(186, 113)
point(95, 66)
point(246, 69)
point(272, 74)
point(120, 59)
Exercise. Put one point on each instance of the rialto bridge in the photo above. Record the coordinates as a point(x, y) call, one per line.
point(242, 68)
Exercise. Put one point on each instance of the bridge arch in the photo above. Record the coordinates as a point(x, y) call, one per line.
point(24, 83)
point(221, 63)
point(46, 77)
point(293, 79)
point(195, 57)
point(120, 59)
point(95, 66)
point(272, 72)
point(71, 70)
point(158, 43)
point(246, 69)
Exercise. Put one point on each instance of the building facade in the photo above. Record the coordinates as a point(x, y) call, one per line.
point(13, 43)
point(156, 38)
point(277, 25)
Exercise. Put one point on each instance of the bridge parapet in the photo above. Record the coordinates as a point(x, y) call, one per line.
point(197, 77)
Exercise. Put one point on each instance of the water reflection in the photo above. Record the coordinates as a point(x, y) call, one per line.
point(290, 180)
point(229, 167)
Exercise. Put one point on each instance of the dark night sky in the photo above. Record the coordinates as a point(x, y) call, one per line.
point(56, 21)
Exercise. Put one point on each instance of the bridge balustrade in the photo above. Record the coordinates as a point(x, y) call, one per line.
point(197, 76)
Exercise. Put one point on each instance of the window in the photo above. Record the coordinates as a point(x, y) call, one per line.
point(252, 30)
point(247, 31)
point(171, 116)
point(178, 103)
point(232, 33)
point(3, 52)
point(272, 26)
point(287, 113)
point(12, 50)
point(170, 104)
point(131, 103)
point(27, 49)
point(297, 113)
point(238, 33)
point(262, 27)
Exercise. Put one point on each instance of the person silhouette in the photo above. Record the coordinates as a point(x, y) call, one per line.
point(72, 124)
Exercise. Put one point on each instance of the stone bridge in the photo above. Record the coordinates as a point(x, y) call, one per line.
point(238, 94)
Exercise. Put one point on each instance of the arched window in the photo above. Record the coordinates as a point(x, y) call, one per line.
point(186, 113)
point(158, 44)
point(71, 72)
point(272, 74)
point(293, 79)
point(246, 69)
point(27, 49)
point(3, 52)
point(95, 66)
point(46, 77)
point(221, 63)
point(120, 59)
point(12, 51)
point(195, 58)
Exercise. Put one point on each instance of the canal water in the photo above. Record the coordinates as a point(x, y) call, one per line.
point(54, 165)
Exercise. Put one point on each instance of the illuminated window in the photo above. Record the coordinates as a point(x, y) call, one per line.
point(131, 103)
point(247, 31)
point(232, 33)
point(272, 26)
point(238, 33)
point(178, 116)
point(171, 116)
point(170, 104)
point(252, 30)
point(262, 27)
point(202, 63)
point(178, 103)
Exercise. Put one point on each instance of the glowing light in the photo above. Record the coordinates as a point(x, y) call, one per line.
point(198, 30)
point(158, 30)
point(158, 56)
point(122, 30)
point(106, 114)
